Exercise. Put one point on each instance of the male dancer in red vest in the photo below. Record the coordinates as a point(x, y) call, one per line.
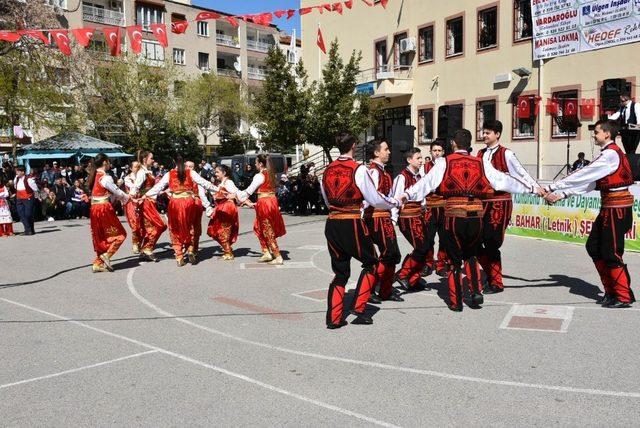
point(380, 224)
point(611, 174)
point(411, 222)
point(25, 199)
point(462, 180)
point(346, 184)
point(498, 205)
point(434, 218)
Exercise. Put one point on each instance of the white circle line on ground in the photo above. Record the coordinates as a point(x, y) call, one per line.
point(208, 366)
point(431, 373)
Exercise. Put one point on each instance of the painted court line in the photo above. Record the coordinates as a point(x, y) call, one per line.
point(314, 292)
point(286, 265)
point(208, 366)
point(104, 363)
point(431, 373)
point(269, 312)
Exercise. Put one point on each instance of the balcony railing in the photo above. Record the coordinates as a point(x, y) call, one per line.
point(223, 39)
point(102, 16)
point(385, 71)
point(258, 46)
point(257, 73)
point(227, 72)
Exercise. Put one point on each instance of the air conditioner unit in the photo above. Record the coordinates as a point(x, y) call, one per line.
point(115, 5)
point(503, 78)
point(408, 44)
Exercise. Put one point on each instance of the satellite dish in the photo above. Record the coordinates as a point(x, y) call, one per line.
point(254, 132)
point(237, 65)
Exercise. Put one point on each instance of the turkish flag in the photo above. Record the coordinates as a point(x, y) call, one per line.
point(320, 41)
point(231, 20)
point(337, 7)
point(61, 37)
point(112, 37)
point(552, 107)
point(349, 4)
point(36, 35)
point(135, 38)
point(179, 27)
point(384, 3)
point(524, 107)
point(570, 108)
point(8, 36)
point(305, 10)
point(203, 16)
point(280, 13)
point(160, 31)
point(536, 101)
point(264, 19)
point(83, 35)
point(327, 6)
point(291, 13)
point(588, 107)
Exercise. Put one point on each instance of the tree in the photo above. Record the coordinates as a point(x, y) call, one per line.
point(283, 105)
point(208, 103)
point(335, 106)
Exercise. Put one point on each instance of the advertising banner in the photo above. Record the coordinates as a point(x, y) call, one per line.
point(565, 27)
point(568, 220)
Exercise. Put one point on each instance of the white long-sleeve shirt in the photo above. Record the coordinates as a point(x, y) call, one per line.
point(256, 182)
point(584, 179)
point(398, 189)
point(107, 182)
point(498, 180)
point(164, 182)
point(368, 189)
point(375, 177)
point(627, 112)
point(130, 183)
point(141, 176)
point(31, 182)
point(513, 165)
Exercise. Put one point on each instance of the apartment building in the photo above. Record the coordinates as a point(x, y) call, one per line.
point(439, 64)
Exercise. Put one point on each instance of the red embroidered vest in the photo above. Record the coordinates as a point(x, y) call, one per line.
point(98, 190)
point(221, 194)
point(266, 187)
point(385, 182)
point(27, 193)
point(339, 184)
point(410, 209)
point(176, 186)
point(499, 162)
point(621, 177)
point(464, 176)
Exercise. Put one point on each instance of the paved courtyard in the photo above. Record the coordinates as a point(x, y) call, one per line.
point(237, 343)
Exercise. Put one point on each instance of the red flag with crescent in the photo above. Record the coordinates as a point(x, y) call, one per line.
point(524, 107)
point(8, 36)
point(320, 41)
point(570, 108)
point(588, 107)
point(305, 10)
point(552, 107)
point(179, 27)
point(36, 35)
point(291, 13)
point(160, 31)
point(337, 7)
point(112, 37)
point(135, 38)
point(280, 13)
point(61, 37)
point(203, 16)
point(83, 35)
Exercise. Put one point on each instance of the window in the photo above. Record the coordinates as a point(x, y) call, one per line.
point(524, 128)
point(485, 110)
point(147, 15)
point(425, 41)
point(522, 22)
point(561, 96)
point(62, 4)
point(455, 41)
point(381, 56)
point(203, 28)
point(176, 17)
point(400, 59)
point(178, 56)
point(425, 126)
point(152, 50)
point(488, 28)
point(392, 116)
point(203, 61)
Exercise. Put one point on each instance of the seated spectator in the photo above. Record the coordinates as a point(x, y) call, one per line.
point(79, 201)
point(63, 196)
point(48, 204)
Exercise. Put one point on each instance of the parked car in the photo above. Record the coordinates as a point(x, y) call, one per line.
point(248, 165)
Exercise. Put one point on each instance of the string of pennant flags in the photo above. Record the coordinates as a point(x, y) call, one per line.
point(569, 107)
point(113, 35)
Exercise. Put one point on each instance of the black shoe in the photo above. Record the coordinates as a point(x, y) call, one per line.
point(192, 258)
point(616, 304)
point(605, 300)
point(422, 285)
point(394, 298)
point(493, 289)
point(404, 284)
point(361, 318)
point(428, 270)
point(443, 273)
point(376, 300)
point(477, 299)
point(148, 257)
point(455, 308)
point(29, 233)
point(337, 326)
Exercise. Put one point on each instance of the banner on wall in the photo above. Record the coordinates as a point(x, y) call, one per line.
point(568, 220)
point(565, 27)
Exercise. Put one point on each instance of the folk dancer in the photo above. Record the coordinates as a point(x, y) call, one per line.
point(202, 204)
point(610, 173)
point(463, 180)
point(434, 219)
point(26, 189)
point(152, 222)
point(6, 221)
point(223, 226)
point(346, 184)
point(133, 210)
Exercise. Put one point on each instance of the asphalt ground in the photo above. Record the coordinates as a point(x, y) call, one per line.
point(237, 343)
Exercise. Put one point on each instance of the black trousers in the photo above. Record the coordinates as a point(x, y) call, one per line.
point(347, 239)
point(606, 240)
point(496, 218)
point(25, 208)
point(384, 237)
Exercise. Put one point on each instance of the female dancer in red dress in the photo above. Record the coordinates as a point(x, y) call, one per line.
point(268, 225)
point(223, 226)
point(152, 223)
point(132, 210)
point(106, 230)
point(182, 206)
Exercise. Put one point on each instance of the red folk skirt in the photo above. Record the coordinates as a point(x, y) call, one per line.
point(152, 223)
point(181, 212)
point(267, 209)
point(133, 213)
point(224, 225)
point(106, 230)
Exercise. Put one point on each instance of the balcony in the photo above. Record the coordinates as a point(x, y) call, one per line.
point(386, 81)
point(256, 73)
point(254, 45)
point(224, 40)
point(102, 16)
point(227, 72)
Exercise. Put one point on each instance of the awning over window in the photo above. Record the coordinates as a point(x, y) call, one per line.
point(59, 155)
